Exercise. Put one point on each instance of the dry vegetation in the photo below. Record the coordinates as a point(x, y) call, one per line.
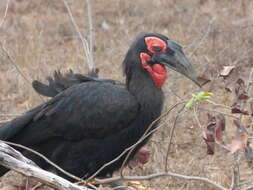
point(40, 38)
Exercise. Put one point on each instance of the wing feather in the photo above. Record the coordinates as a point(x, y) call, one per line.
point(89, 110)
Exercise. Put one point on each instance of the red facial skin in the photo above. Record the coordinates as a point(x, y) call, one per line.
point(158, 72)
point(152, 42)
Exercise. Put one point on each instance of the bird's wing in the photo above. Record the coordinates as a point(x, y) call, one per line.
point(87, 110)
point(11, 128)
point(60, 82)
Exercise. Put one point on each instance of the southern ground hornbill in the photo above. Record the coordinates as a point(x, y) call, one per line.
point(89, 121)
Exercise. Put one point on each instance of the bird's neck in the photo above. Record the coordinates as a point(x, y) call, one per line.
point(141, 85)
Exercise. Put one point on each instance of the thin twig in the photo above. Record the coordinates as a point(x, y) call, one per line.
point(123, 187)
point(175, 94)
point(247, 90)
point(14, 64)
point(91, 39)
point(196, 117)
point(134, 145)
point(248, 87)
point(235, 172)
point(4, 121)
point(83, 40)
point(37, 186)
point(222, 146)
point(5, 13)
point(203, 38)
point(17, 68)
point(146, 134)
point(171, 136)
point(10, 115)
point(248, 188)
point(162, 174)
point(248, 182)
point(223, 113)
point(220, 105)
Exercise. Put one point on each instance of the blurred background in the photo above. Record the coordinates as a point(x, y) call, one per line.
point(40, 38)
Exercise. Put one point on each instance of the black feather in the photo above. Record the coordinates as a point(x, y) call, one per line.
point(60, 82)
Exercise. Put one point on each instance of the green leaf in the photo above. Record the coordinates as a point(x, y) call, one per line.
point(197, 98)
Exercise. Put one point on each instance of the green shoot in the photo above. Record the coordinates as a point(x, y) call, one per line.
point(197, 98)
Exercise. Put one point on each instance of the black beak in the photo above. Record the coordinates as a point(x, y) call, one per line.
point(175, 59)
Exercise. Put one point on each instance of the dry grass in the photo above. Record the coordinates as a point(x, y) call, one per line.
point(40, 38)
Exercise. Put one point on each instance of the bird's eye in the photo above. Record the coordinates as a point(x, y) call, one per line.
point(157, 48)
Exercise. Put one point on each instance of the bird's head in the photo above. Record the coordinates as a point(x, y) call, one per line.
point(153, 53)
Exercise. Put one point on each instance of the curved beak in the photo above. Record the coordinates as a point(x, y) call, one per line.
point(175, 59)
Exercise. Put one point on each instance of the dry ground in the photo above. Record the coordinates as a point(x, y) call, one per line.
point(40, 38)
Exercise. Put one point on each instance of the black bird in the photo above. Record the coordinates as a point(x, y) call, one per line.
point(90, 121)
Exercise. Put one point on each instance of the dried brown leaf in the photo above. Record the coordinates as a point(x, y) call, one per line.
point(226, 70)
point(237, 109)
point(214, 131)
point(210, 146)
point(220, 126)
point(243, 96)
point(239, 86)
point(228, 88)
point(241, 82)
point(210, 137)
point(141, 157)
point(240, 142)
point(210, 128)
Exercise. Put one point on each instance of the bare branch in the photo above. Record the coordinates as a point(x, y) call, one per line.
point(163, 174)
point(220, 105)
point(13, 63)
point(5, 13)
point(17, 68)
point(83, 40)
point(250, 80)
point(147, 133)
point(46, 159)
point(91, 57)
point(249, 187)
point(235, 172)
point(10, 115)
point(197, 118)
point(202, 40)
point(4, 121)
point(220, 112)
point(14, 160)
point(171, 136)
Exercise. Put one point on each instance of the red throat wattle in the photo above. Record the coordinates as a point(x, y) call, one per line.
point(158, 72)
